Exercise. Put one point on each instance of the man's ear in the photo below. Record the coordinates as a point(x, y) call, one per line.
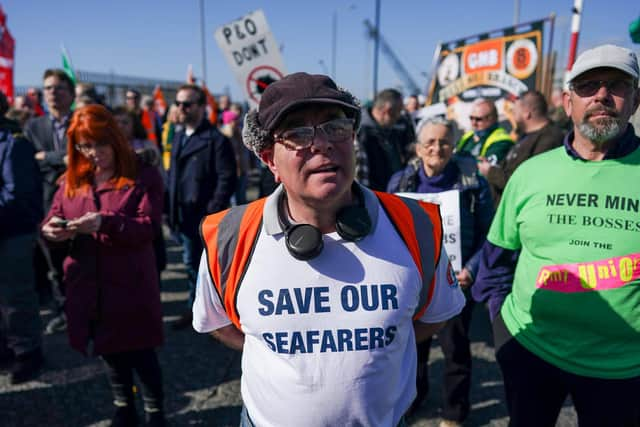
point(267, 157)
point(636, 101)
point(566, 102)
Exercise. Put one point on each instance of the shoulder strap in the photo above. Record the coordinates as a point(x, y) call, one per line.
point(423, 236)
point(498, 135)
point(229, 238)
point(463, 140)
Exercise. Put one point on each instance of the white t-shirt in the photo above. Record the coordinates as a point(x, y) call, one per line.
point(330, 341)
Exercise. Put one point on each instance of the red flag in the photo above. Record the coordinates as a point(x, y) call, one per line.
point(7, 49)
point(159, 103)
point(212, 105)
point(149, 124)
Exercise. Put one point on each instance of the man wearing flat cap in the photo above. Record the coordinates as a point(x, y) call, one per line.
point(324, 285)
point(566, 321)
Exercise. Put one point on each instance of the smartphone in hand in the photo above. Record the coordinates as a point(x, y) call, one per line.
point(62, 223)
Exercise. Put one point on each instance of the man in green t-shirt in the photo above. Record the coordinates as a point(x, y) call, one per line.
point(485, 140)
point(566, 321)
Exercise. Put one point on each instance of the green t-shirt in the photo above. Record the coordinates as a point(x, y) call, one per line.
point(575, 300)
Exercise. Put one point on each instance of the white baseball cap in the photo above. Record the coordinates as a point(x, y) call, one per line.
point(605, 56)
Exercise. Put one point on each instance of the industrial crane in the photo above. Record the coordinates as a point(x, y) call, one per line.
point(392, 58)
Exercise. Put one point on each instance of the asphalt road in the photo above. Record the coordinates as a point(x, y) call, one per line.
point(201, 378)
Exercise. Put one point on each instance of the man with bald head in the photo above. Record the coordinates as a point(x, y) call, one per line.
point(537, 134)
point(485, 139)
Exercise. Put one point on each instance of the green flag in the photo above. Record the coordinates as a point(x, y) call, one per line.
point(634, 30)
point(66, 65)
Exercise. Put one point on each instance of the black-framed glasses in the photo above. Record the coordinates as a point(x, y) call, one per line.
point(185, 104)
point(587, 88)
point(88, 147)
point(300, 138)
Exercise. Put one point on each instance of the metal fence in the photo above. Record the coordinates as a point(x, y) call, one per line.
point(114, 86)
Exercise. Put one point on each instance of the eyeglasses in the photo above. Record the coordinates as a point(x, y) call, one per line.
point(444, 143)
point(87, 147)
point(300, 138)
point(591, 87)
point(185, 104)
point(478, 118)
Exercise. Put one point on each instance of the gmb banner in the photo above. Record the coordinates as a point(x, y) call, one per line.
point(497, 66)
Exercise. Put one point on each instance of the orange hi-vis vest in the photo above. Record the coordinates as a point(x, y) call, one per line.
point(230, 236)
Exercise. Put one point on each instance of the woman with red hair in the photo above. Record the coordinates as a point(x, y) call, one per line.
point(106, 209)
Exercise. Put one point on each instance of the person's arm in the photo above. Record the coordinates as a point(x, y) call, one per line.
point(209, 315)
point(20, 182)
point(47, 159)
point(116, 228)
point(483, 212)
point(230, 336)
point(225, 169)
point(494, 174)
point(498, 151)
point(426, 330)
point(495, 276)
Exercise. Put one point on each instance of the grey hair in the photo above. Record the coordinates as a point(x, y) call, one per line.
point(436, 120)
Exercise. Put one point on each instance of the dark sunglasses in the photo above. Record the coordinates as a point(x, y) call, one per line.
point(477, 118)
point(185, 104)
point(300, 138)
point(591, 87)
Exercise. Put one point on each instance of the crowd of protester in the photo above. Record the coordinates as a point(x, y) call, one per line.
point(82, 227)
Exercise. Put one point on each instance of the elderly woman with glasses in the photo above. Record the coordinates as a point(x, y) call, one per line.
point(437, 169)
point(106, 210)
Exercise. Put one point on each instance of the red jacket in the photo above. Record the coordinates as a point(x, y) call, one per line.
point(112, 289)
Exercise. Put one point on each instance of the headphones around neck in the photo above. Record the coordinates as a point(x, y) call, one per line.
point(304, 241)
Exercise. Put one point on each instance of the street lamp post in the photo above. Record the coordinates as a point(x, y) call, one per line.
point(376, 50)
point(334, 43)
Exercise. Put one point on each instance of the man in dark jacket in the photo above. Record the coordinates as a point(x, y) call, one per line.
point(20, 213)
point(48, 134)
point(382, 141)
point(537, 135)
point(202, 179)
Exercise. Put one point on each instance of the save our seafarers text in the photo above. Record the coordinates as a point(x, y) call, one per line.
point(353, 298)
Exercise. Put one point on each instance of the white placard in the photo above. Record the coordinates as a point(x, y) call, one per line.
point(252, 53)
point(449, 202)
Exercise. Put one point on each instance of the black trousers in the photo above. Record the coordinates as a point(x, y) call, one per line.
point(120, 369)
point(536, 390)
point(456, 384)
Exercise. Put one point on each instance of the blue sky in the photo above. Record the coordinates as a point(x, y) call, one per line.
point(158, 39)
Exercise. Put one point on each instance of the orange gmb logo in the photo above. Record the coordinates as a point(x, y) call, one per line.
point(484, 56)
point(522, 58)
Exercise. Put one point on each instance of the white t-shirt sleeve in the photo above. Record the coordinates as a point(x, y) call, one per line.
point(448, 299)
point(208, 310)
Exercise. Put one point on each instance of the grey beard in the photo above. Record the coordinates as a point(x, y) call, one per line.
point(605, 130)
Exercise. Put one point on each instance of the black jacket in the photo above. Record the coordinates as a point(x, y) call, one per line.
point(385, 150)
point(202, 177)
point(20, 186)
